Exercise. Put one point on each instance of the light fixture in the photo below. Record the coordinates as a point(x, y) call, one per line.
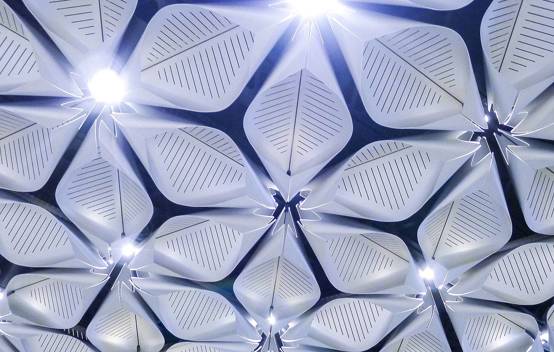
point(427, 274)
point(487, 118)
point(2, 294)
point(271, 319)
point(544, 337)
point(313, 8)
point(107, 87)
point(129, 250)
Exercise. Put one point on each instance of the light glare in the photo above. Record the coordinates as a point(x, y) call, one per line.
point(313, 8)
point(427, 274)
point(271, 319)
point(107, 87)
point(129, 250)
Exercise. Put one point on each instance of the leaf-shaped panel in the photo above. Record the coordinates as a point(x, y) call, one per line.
point(193, 313)
point(28, 338)
point(389, 180)
point(122, 323)
point(211, 347)
point(521, 276)
point(26, 66)
point(489, 327)
point(470, 222)
point(360, 260)
point(351, 324)
point(532, 170)
point(535, 121)
point(201, 57)
point(193, 165)
point(86, 31)
point(278, 279)
point(420, 77)
point(31, 236)
point(203, 247)
point(516, 37)
point(422, 333)
point(32, 142)
point(443, 5)
point(100, 191)
point(55, 299)
point(299, 120)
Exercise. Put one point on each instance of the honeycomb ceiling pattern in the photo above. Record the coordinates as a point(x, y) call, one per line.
point(377, 178)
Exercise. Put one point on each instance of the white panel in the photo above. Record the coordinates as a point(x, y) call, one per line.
point(100, 191)
point(423, 333)
point(358, 259)
point(532, 170)
point(28, 338)
point(483, 327)
point(122, 323)
point(225, 236)
point(211, 347)
point(88, 32)
point(411, 76)
point(299, 120)
point(535, 120)
point(193, 313)
point(524, 276)
point(389, 180)
point(469, 222)
point(193, 165)
point(53, 298)
point(550, 326)
point(33, 138)
point(31, 236)
point(27, 66)
point(278, 279)
point(351, 324)
point(200, 58)
point(518, 47)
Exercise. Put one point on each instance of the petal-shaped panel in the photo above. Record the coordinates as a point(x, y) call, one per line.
point(352, 324)
point(53, 298)
point(423, 333)
point(211, 347)
point(86, 31)
point(518, 47)
point(489, 327)
point(470, 222)
point(532, 170)
point(419, 77)
point(100, 191)
point(33, 138)
point(122, 323)
point(226, 236)
point(27, 338)
point(193, 165)
point(299, 119)
point(200, 58)
point(358, 259)
point(27, 66)
point(31, 236)
point(277, 280)
point(389, 180)
point(524, 276)
point(193, 313)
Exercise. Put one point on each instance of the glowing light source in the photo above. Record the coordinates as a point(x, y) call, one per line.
point(107, 87)
point(2, 294)
point(129, 250)
point(271, 319)
point(314, 8)
point(487, 118)
point(544, 337)
point(427, 274)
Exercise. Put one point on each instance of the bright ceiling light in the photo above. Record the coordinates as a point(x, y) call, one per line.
point(129, 250)
point(271, 319)
point(107, 87)
point(314, 8)
point(427, 274)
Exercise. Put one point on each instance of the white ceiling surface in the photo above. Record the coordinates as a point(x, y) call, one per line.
point(200, 58)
